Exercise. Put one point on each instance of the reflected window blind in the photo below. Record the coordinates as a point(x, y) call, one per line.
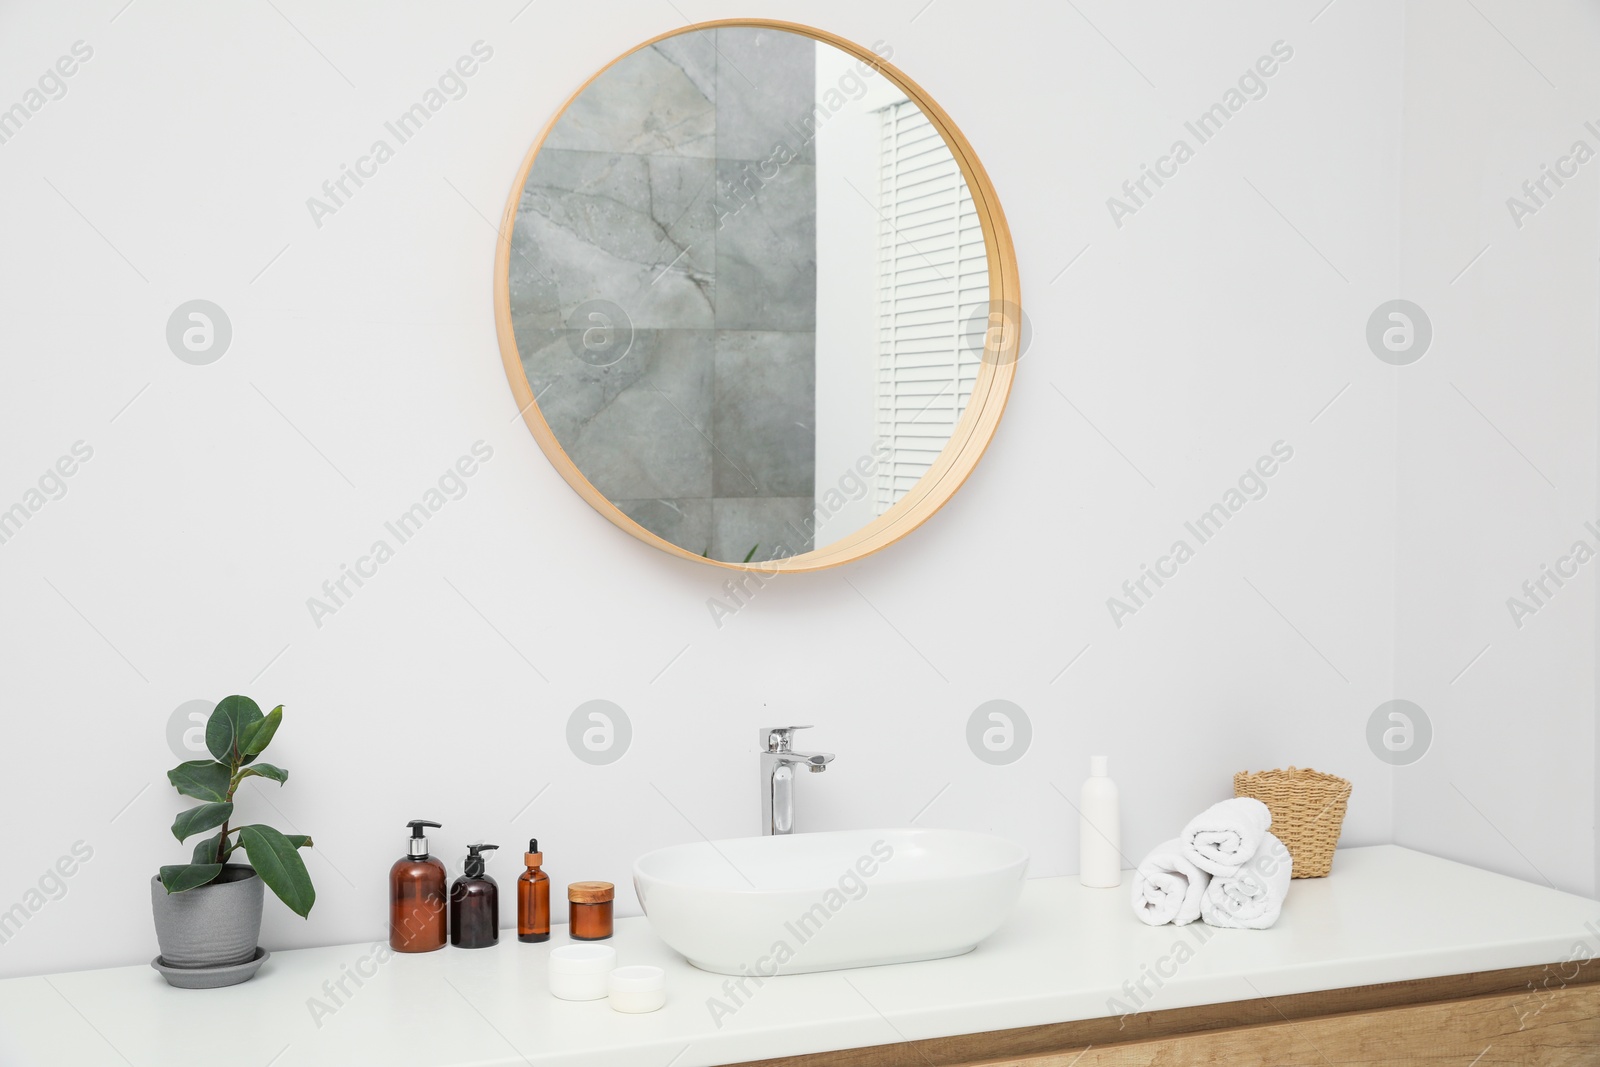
point(933, 283)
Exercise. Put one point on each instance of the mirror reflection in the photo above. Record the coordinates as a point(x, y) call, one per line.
point(749, 290)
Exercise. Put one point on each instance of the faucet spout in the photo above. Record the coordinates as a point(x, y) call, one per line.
point(816, 762)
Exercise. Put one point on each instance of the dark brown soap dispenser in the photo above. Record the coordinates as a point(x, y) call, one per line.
point(475, 904)
point(417, 906)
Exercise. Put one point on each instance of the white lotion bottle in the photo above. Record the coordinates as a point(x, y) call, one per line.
point(1099, 829)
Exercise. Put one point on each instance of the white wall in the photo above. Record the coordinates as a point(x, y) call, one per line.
point(1498, 438)
point(1168, 356)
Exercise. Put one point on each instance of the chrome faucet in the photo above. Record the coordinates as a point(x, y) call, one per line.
point(778, 763)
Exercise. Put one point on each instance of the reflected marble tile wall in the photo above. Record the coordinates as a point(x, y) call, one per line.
point(763, 406)
point(660, 100)
point(679, 187)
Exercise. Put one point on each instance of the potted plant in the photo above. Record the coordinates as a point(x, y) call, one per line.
point(208, 911)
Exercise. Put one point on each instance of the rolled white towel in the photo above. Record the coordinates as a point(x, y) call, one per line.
point(1167, 887)
point(1253, 898)
point(1223, 837)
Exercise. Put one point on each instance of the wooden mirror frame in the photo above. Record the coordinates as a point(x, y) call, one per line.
point(989, 394)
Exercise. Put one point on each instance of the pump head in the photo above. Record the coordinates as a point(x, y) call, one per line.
point(417, 847)
point(474, 865)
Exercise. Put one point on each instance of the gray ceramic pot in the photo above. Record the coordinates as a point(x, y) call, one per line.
point(215, 925)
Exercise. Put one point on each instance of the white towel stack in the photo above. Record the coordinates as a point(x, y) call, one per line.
point(1225, 868)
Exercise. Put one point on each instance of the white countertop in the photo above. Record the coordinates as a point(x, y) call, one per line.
point(1386, 914)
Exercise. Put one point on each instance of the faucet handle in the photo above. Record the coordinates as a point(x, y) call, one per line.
point(778, 738)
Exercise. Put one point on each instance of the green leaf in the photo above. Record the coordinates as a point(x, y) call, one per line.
point(298, 840)
point(280, 866)
point(202, 779)
point(751, 554)
point(182, 876)
point(259, 736)
point(265, 770)
point(207, 851)
point(233, 715)
point(205, 817)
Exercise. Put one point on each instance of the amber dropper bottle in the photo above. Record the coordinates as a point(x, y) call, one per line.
point(533, 897)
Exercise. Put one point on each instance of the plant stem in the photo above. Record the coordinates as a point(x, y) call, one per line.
point(223, 848)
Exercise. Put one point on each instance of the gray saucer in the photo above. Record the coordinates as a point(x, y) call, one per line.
point(211, 977)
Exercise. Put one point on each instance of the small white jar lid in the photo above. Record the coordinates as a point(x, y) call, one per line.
point(583, 959)
point(639, 978)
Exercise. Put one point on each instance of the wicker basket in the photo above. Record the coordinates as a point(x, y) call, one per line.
point(1307, 811)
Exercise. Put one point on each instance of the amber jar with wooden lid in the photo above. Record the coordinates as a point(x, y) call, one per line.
point(589, 907)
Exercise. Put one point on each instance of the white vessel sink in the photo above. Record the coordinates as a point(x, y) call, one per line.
point(819, 902)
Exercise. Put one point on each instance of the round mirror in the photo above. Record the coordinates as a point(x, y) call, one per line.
point(756, 297)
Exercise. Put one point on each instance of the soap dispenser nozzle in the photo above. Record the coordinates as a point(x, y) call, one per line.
point(417, 847)
point(474, 866)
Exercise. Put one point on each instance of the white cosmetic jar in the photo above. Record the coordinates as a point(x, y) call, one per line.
point(578, 972)
point(637, 989)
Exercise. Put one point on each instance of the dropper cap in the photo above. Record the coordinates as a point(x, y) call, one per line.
point(1099, 767)
point(533, 857)
point(417, 847)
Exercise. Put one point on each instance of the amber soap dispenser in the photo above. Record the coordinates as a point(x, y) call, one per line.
point(475, 904)
point(418, 912)
point(533, 897)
